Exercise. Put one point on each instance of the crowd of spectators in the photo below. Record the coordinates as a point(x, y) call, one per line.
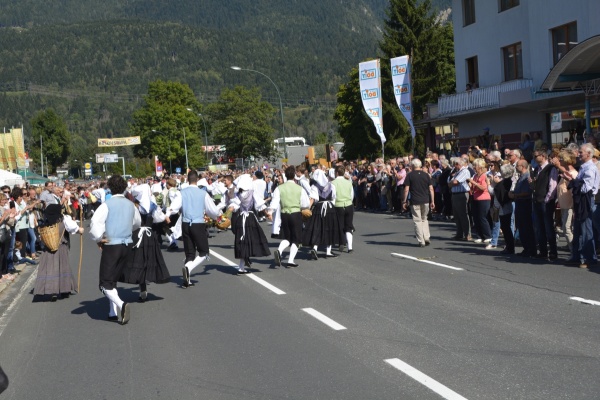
point(532, 195)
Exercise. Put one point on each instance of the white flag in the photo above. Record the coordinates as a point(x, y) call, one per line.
point(370, 92)
point(403, 88)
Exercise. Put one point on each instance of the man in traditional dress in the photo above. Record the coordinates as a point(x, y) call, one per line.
point(195, 201)
point(111, 227)
point(344, 197)
point(290, 198)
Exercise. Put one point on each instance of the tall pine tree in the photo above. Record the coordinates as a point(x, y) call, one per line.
point(411, 28)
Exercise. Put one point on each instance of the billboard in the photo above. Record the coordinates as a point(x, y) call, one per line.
point(12, 150)
point(126, 141)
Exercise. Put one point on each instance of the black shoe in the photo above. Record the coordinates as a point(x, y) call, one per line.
point(552, 257)
point(277, 257)
point(292, 264)
point(143, 297)
point(173, 247)
point(248, 263)
point(112, 318)
point(124, 314)
point(274, 236)
point(331, 255)
point(543, 256)
point(421, 244)
point(53, 298)
point(507, 251)
point(427, 243)
point(186, 277)
point(313, 254)
point(350, 251)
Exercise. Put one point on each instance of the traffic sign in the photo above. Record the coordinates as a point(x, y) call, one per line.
point(178, 170)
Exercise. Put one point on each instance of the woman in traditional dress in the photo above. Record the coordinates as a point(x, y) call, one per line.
point(54, 275)
point(323, 228)
point(147, 262)
point(250, 240)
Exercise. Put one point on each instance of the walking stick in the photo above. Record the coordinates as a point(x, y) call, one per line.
point(80, 249)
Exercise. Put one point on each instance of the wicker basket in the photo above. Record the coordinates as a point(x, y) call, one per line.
point(224, 223)
point(51, 236)
point(306, 214)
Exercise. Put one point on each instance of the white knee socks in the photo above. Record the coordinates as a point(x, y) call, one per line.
point(193, 264)
point(293, 252)
point(283, 245)
point(349, 240)
point(115, 301)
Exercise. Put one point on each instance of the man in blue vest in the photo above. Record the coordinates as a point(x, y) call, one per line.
point(111, 227)
point(195, 201)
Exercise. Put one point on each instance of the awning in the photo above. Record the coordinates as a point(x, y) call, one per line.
point(577, 69)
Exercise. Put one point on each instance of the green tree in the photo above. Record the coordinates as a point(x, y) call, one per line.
point(411, 28)
point(55, 138)
point(166, 125)
point(241, 121)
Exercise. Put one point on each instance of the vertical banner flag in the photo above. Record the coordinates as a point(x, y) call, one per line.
point(402, 88)
point(370, 92)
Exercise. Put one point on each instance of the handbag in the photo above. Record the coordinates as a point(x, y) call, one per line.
point(494, 214)
point(4, 234)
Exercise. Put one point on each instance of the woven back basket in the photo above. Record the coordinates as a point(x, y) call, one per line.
point(51, 236)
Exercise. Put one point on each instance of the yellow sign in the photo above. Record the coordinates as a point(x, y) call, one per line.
point(88, 165)
point(126, 141)
point(12, 152)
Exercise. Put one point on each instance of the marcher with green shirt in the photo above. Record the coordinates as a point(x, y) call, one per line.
point(344, 204)
point(290, 199)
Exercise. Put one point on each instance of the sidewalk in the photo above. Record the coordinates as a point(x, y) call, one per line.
point(24, 272)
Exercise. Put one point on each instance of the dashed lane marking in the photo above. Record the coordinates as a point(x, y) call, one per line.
point(324, 319)
point(425, 380)
point(586, 301)
point(255, 278)
point(398, 255)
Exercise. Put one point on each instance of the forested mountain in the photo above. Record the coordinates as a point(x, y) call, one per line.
point(92, 60)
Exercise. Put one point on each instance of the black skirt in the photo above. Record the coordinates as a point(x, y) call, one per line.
point(250, 240)
point(324, 227)
point(147, 262)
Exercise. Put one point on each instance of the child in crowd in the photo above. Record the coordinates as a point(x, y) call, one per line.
point(20, 259)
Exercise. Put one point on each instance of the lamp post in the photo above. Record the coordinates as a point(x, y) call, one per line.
point(170, 161)
point(187, 167)
point(280, 104)
point(123, 160)
point(205, 133)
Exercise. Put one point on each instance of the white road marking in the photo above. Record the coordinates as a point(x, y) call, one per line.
point(266, 284)
point(225, 260)
point(586, 301)
point(6, 317)
point(255, 278)
point(397, 255)
point(425, 380)
point(324, 319)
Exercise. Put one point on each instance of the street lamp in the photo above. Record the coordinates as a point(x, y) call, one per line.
point(205, 133)
point(280, 104)
point(170, 162)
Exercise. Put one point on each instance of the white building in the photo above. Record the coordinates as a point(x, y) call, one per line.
point(509, 52)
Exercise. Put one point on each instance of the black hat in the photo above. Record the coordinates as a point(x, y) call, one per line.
point(52, 214)
point(259, 175)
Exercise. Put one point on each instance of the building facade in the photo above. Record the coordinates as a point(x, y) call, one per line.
point(504, 53)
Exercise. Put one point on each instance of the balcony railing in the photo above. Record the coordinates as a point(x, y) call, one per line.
point(478, 99)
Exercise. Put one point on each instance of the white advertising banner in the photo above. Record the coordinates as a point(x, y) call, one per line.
point(370, 92)
point(403, 88)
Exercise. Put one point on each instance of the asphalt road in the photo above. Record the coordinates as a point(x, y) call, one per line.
point(397, 328)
